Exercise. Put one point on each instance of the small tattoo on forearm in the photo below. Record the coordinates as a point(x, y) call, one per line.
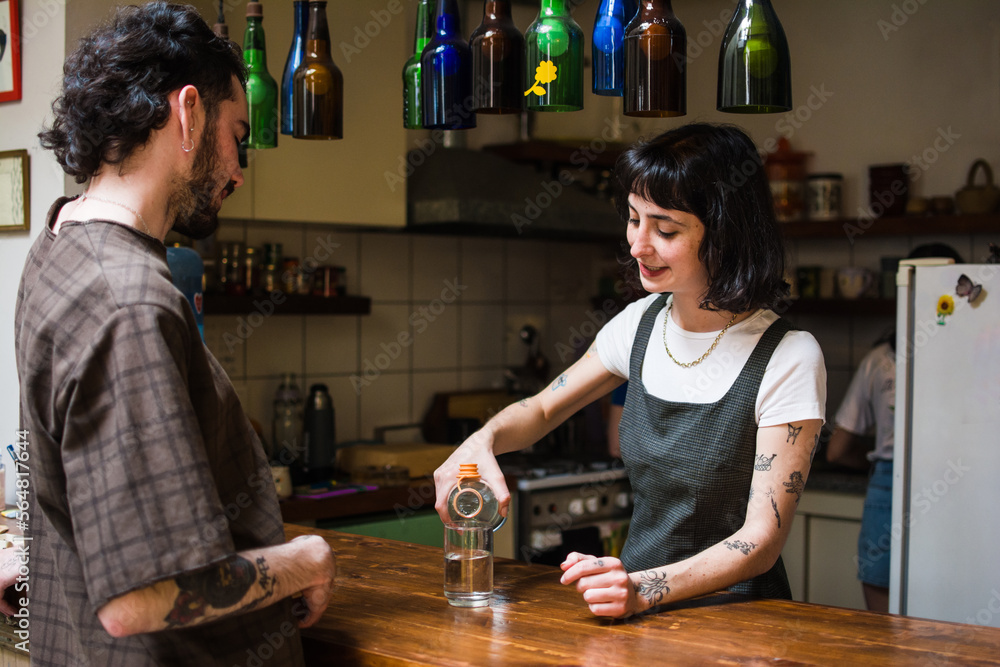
point(560, 382)
point(812, 454)
point(751, 493)
point(523, 402)
point(739, 545)
point(795, 484)
point(763, 463)
point(793, 433)
point(600, 563)
point(266, 581)
point(774, 506)
point(652, 586)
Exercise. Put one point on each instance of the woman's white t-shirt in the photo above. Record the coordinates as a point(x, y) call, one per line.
point(793, 387)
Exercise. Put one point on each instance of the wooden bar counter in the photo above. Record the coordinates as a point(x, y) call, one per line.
point(388, 608)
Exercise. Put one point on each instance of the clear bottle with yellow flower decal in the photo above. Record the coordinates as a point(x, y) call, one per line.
point(554, 63)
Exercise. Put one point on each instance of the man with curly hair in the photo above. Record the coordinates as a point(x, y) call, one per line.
point(155, 528)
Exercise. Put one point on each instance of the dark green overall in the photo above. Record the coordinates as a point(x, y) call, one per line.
point(690, 465)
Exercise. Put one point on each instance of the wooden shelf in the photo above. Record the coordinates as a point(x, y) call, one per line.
point(916, 225)
point(292, 304)
point(839, 307)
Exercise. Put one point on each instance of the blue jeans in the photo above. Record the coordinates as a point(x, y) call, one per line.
point(875, 540)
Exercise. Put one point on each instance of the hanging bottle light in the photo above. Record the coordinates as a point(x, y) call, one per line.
point(554, 62)
point(446, 71)
point(655, 62)
point(262, 89)
point(608, 46)
point(755, 71)
point(413, 116)
point(497, 61)
point(296, 52)
point(318, 85)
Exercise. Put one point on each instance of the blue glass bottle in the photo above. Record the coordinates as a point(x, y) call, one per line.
point(608, 46)
point(446, 68)
point(295, 53)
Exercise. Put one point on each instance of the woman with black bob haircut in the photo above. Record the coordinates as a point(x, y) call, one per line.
point(119, 79)
point(724, 402)
point(713, 172)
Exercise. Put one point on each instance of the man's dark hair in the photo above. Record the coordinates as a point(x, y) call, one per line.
point(714, 173)
point(118, 80)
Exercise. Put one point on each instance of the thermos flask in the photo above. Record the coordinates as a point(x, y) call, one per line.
point(319, 437)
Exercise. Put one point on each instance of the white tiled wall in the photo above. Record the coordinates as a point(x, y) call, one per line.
point(447, 312)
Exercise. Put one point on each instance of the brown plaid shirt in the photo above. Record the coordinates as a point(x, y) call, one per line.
point(142, 462)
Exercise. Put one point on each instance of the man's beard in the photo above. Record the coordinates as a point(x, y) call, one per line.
point(193, 199)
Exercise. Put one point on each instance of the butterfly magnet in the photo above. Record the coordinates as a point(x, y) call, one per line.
point(968, 289)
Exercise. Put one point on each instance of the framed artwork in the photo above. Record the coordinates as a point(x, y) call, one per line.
point(15, 188)
point(10, 51)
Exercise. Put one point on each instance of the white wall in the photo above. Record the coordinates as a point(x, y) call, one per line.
point(43, 28)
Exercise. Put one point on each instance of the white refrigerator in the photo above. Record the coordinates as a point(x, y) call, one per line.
point(945, 562)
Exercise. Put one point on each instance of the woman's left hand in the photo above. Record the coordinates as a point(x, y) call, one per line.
point(606, 586)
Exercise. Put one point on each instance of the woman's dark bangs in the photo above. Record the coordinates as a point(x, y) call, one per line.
point(661, 182)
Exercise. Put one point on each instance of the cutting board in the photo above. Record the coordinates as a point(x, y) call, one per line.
point(421, 458)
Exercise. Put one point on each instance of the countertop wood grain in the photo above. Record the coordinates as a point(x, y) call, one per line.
point(388, 609)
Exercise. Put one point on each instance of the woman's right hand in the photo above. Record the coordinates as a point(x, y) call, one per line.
point(478, 449)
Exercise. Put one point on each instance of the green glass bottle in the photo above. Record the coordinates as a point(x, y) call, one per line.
point(412, 113)
point(755, 71)
point(262, 89)
point(554, 62)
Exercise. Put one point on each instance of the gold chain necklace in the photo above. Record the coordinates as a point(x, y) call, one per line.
point(128, 208)
point(702, 357)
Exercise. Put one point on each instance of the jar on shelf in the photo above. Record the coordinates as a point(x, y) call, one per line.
point(231, 268)
point(824, 196)
point(786, 173)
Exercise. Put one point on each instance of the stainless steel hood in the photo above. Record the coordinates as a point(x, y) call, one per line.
point(466, 192)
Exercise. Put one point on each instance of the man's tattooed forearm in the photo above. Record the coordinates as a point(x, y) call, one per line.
point(221, 586)
point(795, 484)
point(793, 433)
point(743, 547)
point(652, 586)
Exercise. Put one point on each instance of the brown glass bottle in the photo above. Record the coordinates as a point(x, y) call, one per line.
point(655, 62)
point(318, 85)
point(497, 61)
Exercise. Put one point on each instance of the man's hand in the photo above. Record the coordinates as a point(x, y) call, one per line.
point(317, 595)
point(8, 575)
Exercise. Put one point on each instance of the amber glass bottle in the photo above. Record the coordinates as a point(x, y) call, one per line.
point(497, 61)
point(655, 62)
point(318, 85)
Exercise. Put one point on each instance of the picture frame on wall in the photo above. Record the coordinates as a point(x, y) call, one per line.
point(10, 51)
point(15, 191)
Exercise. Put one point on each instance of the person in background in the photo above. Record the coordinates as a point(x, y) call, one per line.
point(724, 403)
point(156, 533)
point(869, 406)
point(615, 410)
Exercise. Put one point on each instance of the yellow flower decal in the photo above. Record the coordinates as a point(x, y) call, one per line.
point(544, 73)
point(945, 307)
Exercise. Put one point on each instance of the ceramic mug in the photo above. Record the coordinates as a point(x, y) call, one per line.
point(853, 281)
